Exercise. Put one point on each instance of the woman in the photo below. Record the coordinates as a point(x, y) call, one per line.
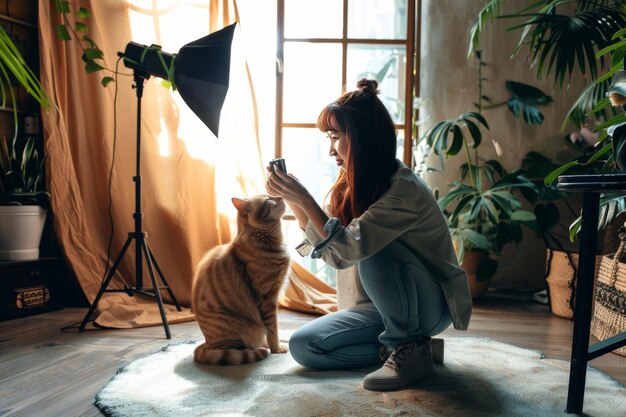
point(385, 219)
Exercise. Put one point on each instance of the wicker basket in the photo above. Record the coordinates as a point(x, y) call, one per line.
point(561, 275)
point(609, 315)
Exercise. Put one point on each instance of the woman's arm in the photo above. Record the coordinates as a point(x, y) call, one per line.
point(302, 203)
point(300, 215)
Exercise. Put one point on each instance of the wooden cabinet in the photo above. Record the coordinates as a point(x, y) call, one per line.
point(32, 287)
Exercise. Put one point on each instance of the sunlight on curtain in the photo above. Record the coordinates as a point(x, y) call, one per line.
point(235, 155)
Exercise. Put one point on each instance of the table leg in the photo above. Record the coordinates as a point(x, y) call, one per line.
point(584, 297)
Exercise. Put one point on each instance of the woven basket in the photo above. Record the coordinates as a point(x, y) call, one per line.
point(561, 274)
point(609, 315)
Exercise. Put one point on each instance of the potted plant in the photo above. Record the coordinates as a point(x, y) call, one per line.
point(581, 40)
point(23, 204)
point(483, 211)
point(482, 207)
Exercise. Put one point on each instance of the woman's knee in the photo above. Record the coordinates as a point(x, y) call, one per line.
point(302, 346)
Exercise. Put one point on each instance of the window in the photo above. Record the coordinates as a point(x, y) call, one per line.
point(323, 48)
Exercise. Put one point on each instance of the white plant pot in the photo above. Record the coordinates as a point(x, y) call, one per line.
point(21, 228)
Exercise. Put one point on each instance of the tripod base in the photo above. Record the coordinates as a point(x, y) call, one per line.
point(142, 248)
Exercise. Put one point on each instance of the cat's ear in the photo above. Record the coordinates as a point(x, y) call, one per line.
point(241, 205)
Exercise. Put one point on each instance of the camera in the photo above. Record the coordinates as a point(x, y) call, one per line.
point(278, 162)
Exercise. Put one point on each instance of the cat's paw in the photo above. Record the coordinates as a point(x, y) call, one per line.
point(281, 349)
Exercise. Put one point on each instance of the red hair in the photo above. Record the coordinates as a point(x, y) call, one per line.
point(371, 136)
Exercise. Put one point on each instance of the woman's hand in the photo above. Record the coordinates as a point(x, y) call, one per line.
point(286, 186)
point(302, 203)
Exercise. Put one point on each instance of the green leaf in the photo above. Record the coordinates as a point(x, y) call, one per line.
point(106, 80)
point(92, 66)
point(514, 106)
point(92, 53)
point(491, 10)
point(606, 148)
point(62, 6)
point(475, 238)
point(81, 27)
point(62, 33)
point(476, 116)
point(457, 141)
point(528, 94)
point(523, 216)
point(574, 228)
point(552, 177)
point(525, 97)
point(532, 115)
point(474, 131)
point(83, 13)
point(558, 42)
point(88, 40)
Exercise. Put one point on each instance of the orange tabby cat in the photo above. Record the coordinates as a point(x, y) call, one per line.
point(236, 287)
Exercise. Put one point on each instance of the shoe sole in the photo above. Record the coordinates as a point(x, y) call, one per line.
point(386, 385)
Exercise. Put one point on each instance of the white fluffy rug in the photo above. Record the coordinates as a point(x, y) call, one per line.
point(480, 377)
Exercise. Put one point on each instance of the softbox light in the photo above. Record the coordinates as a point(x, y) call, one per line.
point(201, 71)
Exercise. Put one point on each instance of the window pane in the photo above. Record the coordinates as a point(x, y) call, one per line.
point(306, 156)
point(313, 19)
point(400, 144)
point(312, 80)
point(385, 63)
point(377, 19)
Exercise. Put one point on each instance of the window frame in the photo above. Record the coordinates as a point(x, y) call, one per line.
point(411, 44)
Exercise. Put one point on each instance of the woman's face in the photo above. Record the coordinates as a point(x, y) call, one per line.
point(338, 145)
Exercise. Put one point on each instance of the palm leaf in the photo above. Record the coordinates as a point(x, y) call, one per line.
point(591, 100)
point(565, 42)
point(489, 12)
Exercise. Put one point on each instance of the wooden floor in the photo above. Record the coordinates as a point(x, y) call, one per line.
point(48, 372)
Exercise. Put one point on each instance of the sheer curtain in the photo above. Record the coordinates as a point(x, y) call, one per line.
point(188, 175)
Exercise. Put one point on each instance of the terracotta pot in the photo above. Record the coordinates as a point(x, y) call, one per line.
point(471, 260)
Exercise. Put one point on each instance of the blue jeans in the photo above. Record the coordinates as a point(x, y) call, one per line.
point(405, 304)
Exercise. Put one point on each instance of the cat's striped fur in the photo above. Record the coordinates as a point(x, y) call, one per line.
point(237, 285)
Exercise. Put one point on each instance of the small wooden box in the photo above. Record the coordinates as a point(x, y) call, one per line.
point(31, 287)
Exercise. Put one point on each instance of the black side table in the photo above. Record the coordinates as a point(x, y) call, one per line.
point(591, 186)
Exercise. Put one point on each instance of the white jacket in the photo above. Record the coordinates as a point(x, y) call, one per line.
point(407, 212)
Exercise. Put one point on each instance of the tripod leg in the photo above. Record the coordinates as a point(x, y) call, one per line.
point(105, 284)
point(156, 265)
point(157, 292)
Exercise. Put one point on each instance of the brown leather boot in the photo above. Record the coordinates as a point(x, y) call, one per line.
point(405, 366)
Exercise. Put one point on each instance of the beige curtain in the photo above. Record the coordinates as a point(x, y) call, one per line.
point(188, 176)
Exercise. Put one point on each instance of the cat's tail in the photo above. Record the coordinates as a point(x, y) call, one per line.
point(204, 354)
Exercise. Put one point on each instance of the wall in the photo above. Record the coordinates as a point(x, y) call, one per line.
point(448, 83)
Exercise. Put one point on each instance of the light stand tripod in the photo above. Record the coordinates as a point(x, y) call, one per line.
point(140, 237)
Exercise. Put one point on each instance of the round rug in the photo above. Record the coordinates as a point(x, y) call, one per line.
point(479, 377)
